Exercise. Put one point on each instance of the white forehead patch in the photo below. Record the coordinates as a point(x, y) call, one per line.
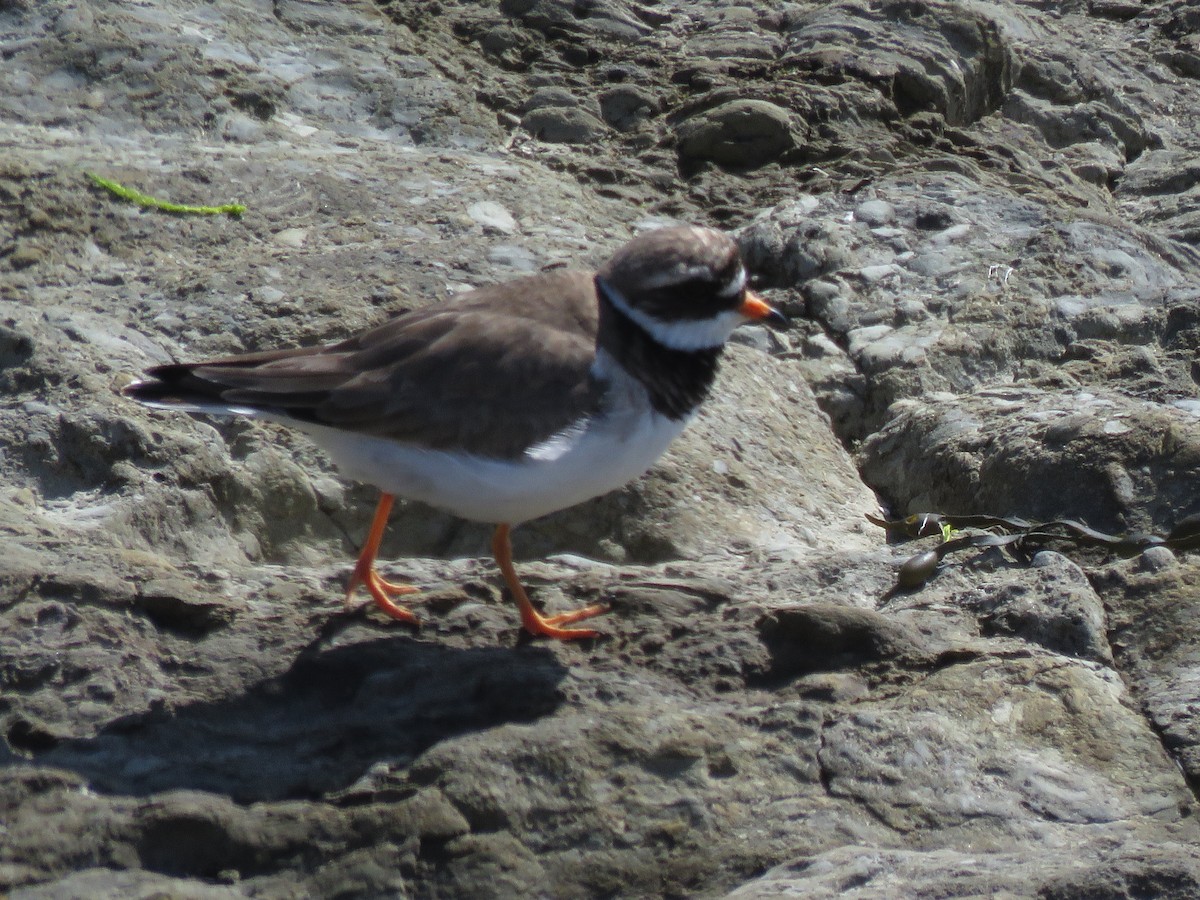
point(736, 284)
point(677, 274)
point(681, 274)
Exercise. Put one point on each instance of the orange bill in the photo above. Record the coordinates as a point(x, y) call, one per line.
point(756, 308)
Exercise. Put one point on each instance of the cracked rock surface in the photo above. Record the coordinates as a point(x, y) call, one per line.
point(983, 219)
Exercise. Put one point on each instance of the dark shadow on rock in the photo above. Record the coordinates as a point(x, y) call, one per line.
point(823, 637)
point(320, 726)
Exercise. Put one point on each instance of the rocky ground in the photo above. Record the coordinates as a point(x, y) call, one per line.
point(984, 219)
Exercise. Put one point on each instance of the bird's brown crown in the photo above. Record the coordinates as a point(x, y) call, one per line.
point(678, 274)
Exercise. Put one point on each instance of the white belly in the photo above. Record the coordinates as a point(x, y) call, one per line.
point(597, 459)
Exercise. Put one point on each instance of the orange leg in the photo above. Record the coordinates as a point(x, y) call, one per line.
point(531, 619)
point(365, 574)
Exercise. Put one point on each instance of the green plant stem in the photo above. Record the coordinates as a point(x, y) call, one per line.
point(126, 193)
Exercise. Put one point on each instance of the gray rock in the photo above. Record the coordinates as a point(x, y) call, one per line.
point(983, 219)
point(875, 874)
point(733, 43)
point(875, 212)
point(1054, 607)
point(550, 97)
point(603, 20)
point(493, 216)
point(1153, 633)
point(1095, 162)
point(625, 107)
point(562, 125)
point(738, 134)
point(1083, 455)
point(957, 60)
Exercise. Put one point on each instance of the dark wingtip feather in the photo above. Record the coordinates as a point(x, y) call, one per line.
point(172, 383)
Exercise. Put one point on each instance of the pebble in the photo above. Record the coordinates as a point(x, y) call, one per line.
point(732, 44)
point(627, 106)
point(513, 257)
point(910, 310)
point(242, 129)
point(952, 234)
point(292, 237)
point(1049, 559)
point(549, 98)
point(1157, 559)
point(562, 125)
point(873, 274)
point(26, 255)
point(740, 133)
point(492, 216)
point(875, 212)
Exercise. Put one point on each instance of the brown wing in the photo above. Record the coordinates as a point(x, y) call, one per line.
point(501, 370)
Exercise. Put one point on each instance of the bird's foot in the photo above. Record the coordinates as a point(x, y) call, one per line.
point(549, 626)
point(382, 592)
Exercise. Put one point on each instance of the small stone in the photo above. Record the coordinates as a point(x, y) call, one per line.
point(875, 274)
point(1157, 559)
point(627, 106)
point(492, 216)
point(26, 255)
point(75, 22)
point(513, 257)
point(747, 43)
point(241, 129)
point(739, 134)
point(39, 218)
point(1094, 162)
point(951, 235)
point(1044, 559)
point(828, 304)
point(503, 43)
point(875, 212)
point(758, 337)
point(292, 237)
point(549, 98)
point(910, 310)
point(562, 125)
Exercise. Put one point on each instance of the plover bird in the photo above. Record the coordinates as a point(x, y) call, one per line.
point(505, 403)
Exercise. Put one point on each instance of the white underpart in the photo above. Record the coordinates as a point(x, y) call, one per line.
point(591, 457)
point(684, 334)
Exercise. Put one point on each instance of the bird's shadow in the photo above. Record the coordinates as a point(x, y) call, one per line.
point(320, 726)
